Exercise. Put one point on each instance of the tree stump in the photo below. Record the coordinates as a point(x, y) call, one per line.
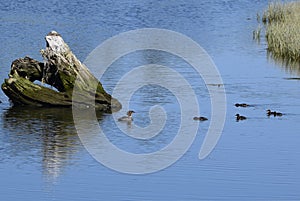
point(61, 70)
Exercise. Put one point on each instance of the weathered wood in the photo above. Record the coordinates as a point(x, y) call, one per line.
point(60, 70)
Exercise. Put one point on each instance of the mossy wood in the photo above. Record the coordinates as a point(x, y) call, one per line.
point(60, 70)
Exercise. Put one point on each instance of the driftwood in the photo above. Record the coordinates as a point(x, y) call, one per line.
point(60, 70)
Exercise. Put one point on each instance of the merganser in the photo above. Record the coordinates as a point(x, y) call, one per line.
point(241, 105)
point(269, 113)
point(200, 118)
point(239, 117)
point(127, 118)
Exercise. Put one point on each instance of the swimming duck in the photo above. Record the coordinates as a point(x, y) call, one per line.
point(127, 118)
point(239, 117)
point(241, 105)
point(200, 118)
point(274, 113)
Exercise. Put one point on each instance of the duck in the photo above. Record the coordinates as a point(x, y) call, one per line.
point(241, 105)
point(200, 118)
point(127, 118)
point(239, 117)
point(274, 113)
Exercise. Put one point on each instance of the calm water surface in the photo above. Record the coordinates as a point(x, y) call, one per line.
point(42, 158)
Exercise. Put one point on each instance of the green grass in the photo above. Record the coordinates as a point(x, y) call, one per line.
point(282, 30)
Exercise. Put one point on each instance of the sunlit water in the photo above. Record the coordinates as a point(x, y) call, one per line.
point(42, 158)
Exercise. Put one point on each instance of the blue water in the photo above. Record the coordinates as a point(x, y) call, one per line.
point(42, 157)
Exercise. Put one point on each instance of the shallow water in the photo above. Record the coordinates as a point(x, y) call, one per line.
point(42, 157)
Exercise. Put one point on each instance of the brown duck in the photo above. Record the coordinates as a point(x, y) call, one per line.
point(241, 105)
point(127, 118)
point(200, 118)
point(239, 117)
point(274, 113)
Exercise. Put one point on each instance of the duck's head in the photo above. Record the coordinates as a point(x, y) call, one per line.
point(237, 115)
point(129, 113)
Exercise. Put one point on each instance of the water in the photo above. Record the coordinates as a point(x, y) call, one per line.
point(42, 157)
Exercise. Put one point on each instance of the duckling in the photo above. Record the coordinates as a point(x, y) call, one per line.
point(274, 113)
point(241, 105)
point(200, 118)
point(127, 118)
point(239, 117)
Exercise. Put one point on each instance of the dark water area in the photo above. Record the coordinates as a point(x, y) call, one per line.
point(42, 157)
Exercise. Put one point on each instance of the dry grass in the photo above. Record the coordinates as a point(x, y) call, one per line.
point(282, 22)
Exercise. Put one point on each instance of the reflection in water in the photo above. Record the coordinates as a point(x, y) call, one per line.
point(290, 66)
point(46, 134)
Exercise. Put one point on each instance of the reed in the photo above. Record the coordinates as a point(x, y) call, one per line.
point(282, 29)
point(257, 33)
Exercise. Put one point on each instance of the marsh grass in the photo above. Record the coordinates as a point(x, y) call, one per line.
point(257, 33)
point(282, 30)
